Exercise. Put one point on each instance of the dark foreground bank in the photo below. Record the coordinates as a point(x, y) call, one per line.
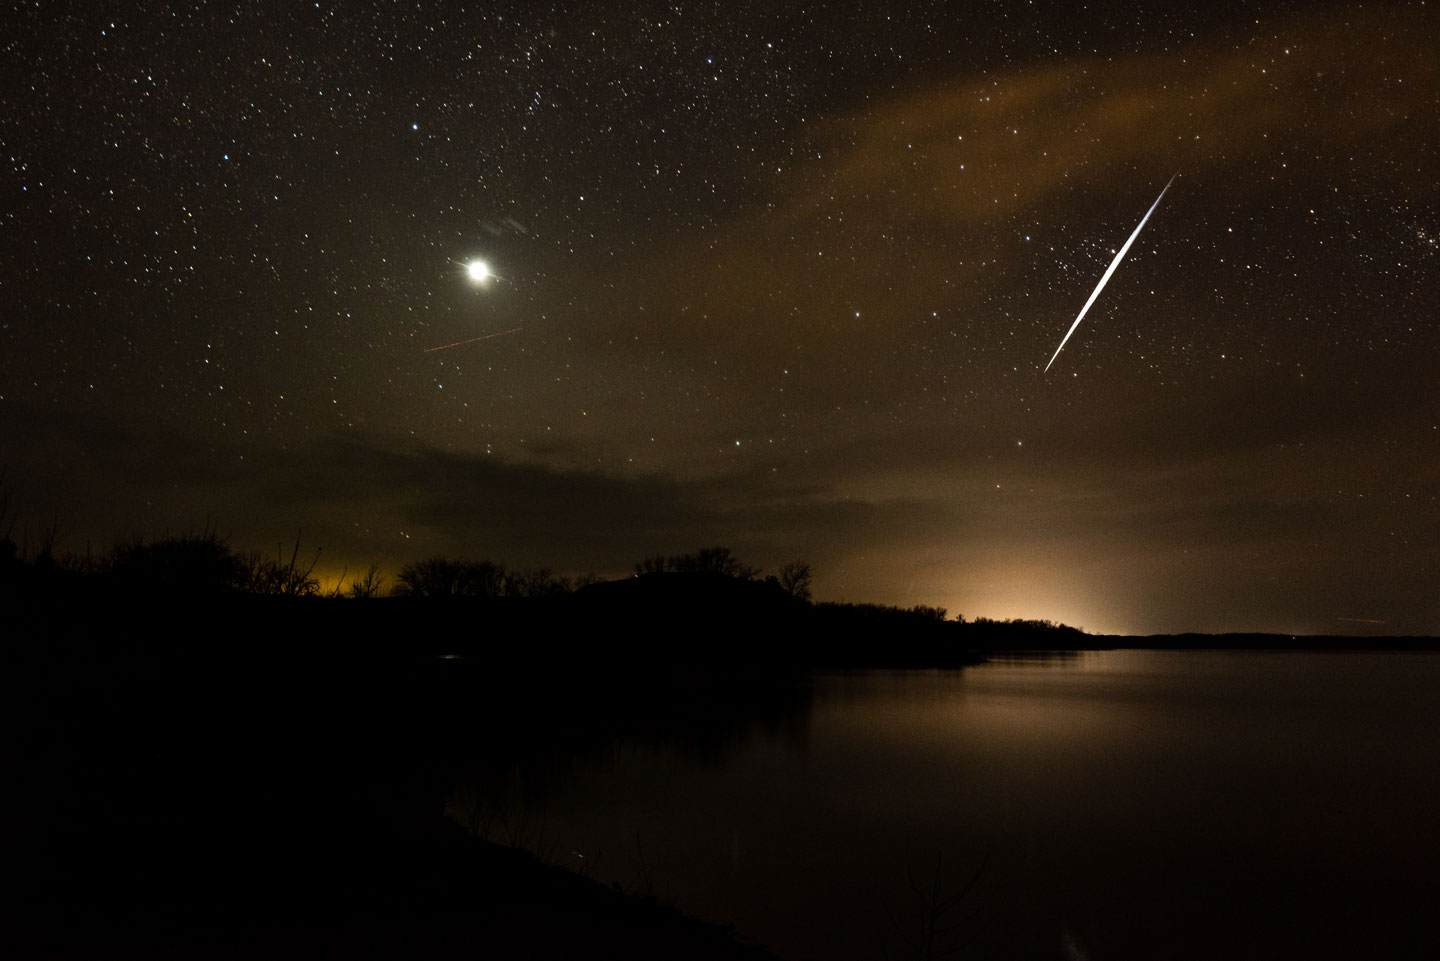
point(237, 776)
point(313, 890)
point(254, 777)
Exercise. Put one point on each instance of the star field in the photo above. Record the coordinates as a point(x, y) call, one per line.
point(782, 276)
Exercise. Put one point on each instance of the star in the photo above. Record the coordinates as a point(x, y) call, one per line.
point(478, 271)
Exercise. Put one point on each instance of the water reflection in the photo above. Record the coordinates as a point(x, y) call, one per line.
point(1108, 804)
point(1048, 658)
point(690, 717)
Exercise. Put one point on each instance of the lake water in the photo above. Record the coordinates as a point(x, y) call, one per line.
point(1109, 805)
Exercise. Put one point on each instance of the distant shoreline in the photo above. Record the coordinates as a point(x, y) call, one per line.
point(1246, 641)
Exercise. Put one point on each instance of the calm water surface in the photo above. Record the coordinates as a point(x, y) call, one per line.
point(1127, 804)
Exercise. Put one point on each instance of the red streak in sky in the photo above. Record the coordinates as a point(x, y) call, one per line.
point(472, 340)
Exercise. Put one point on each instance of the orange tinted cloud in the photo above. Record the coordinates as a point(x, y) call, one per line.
point(979, 149)
point(906, 203)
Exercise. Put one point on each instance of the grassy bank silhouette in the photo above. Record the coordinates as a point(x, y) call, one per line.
point(703, 605)
point(217, 757)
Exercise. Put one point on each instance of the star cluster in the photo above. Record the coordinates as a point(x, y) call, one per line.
point(783, 276)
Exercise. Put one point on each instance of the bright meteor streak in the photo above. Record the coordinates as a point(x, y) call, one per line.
point(472, 340)
point(1113, 264)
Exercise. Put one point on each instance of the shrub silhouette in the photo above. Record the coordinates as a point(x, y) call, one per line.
point(926, 613)
point(368, 585)
point(194, 564)
point(264, 576)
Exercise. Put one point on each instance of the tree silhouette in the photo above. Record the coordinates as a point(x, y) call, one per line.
point(795, 579)
point(656, 564)
point(707, 560)
point(541, 582)
point(444, 577)
point(713, 560)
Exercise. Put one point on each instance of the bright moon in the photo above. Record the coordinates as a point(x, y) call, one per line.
point(477, 270)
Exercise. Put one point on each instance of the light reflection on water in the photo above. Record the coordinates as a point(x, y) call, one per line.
point(1123, 804)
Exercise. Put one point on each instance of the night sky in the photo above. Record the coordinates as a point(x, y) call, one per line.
point(780, 276)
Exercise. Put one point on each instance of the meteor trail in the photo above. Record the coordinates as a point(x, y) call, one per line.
point(1113, 264)
point(472, 340)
